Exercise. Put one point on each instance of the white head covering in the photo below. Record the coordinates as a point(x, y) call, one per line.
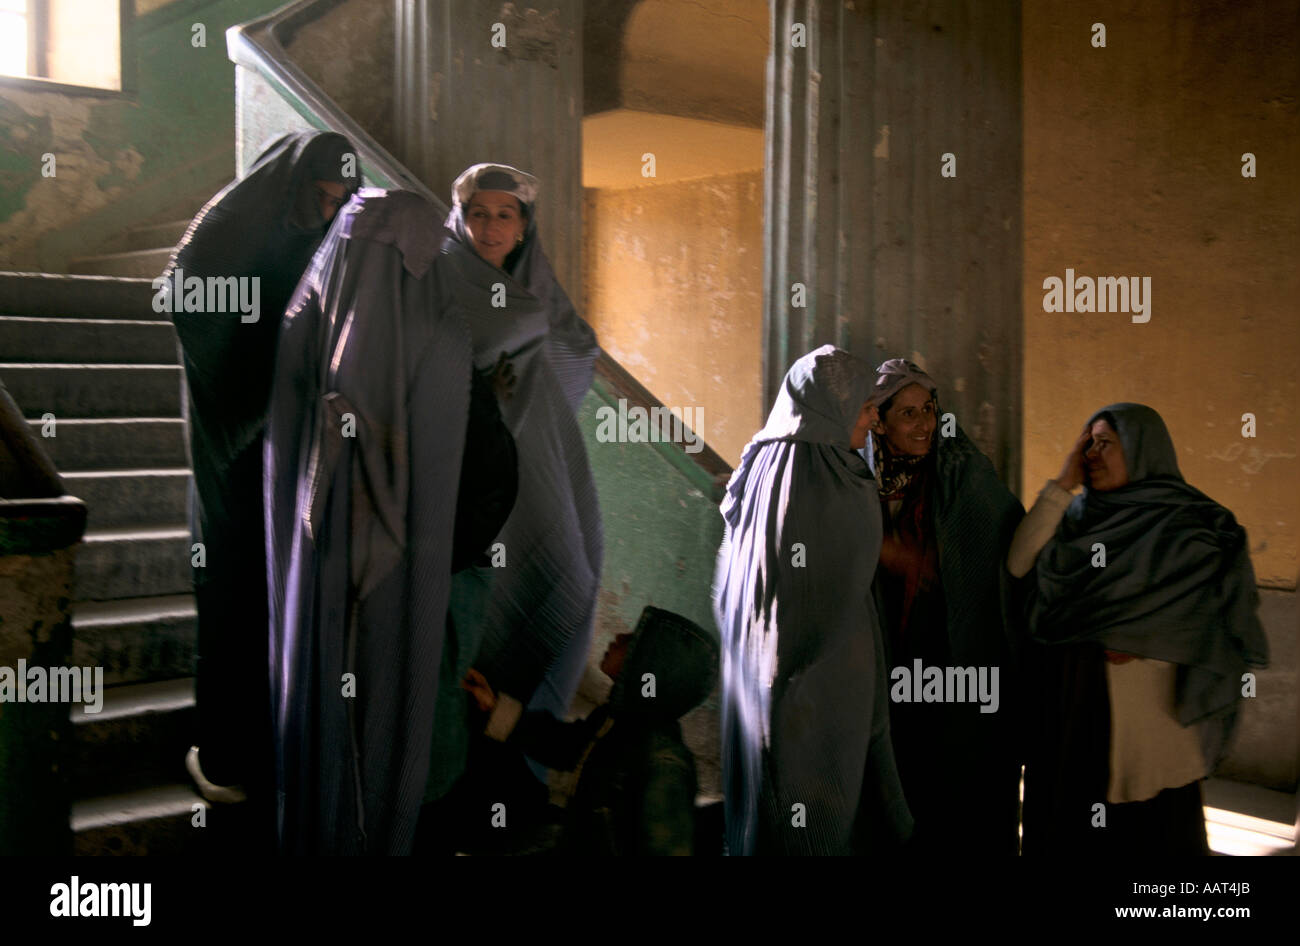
point(494, 177)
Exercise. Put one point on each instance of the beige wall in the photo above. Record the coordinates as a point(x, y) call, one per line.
point(673, 288)
point(1133, 167)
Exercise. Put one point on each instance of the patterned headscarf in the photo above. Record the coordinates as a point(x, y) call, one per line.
point(895, 471)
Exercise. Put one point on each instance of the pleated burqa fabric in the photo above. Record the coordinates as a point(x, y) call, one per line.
point(265, 226)
point(538, 624)
point(808, 767)
point(363, 459)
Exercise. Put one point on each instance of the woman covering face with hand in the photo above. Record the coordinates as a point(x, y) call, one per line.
point(806, 756)
point(1145, 613)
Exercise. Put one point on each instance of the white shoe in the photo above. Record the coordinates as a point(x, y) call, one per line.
point(224, 794)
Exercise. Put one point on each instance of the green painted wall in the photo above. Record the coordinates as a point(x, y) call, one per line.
point(162, 145)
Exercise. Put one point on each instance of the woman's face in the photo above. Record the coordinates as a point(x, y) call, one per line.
point(908, 425)
point(866, 418)
point(331, 195)
point(1104, 459)
point(496, 224)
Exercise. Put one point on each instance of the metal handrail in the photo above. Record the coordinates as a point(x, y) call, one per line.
point(260, 44)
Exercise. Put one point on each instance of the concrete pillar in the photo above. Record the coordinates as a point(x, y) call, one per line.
point(895, 258)
point(462, 100)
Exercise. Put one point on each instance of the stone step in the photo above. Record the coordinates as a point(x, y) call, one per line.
point(133, 563)
point(155, 235)
point(144, 263)
point(115, 443)
point(89, 391)
point(86, 341)
point(137, 739)
point(47, 295)
point(157, 820)
point(136, 640)
point(119, 498)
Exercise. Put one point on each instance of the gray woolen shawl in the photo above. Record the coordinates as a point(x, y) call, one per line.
point(362, 466)
point(1177, 585)
point(539, 621)
point(805, 718)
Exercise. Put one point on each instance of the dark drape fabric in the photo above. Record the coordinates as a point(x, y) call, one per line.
point(806, 755)
point(363, 460)
point(1068, 769)
point(1177, 584)
point(265, 226)
point(946, 600)
point(538, 623)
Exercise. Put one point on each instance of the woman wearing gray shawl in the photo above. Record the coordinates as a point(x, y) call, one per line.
point(946, 610)
point(1145, 610)
point(538, 617)
point(807, 765)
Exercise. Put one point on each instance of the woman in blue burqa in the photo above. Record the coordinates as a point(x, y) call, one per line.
point(387, 469)
point(808, 767)
point(1144, 622)
point(537, 616)
point(264, 229)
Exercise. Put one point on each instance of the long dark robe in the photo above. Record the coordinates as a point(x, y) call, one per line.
point(950, 603)
point(363, 460)
point(805, 720)
point(539, 619)
point(265, 226)
point(1177, 586)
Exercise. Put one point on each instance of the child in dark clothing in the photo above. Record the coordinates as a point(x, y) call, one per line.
point(636, 777)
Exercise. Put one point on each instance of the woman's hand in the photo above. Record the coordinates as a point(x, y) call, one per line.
point(480, 689)
point(503, 379)
point(1072, 473)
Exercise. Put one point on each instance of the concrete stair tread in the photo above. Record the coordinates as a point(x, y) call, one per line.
point(145, 263)
point(88, 474)
point(162, 801)
point(165, 234)
point(138, 699)
point(78, 296)
point(75, 320)
point(111, 443)
point(136, 534)
point(125, 254)
point(131, 610)
point(68, 366)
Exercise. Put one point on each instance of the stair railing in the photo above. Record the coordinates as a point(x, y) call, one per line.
point(260, 45)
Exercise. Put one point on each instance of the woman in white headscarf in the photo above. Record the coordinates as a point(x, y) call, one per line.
point(537, 620)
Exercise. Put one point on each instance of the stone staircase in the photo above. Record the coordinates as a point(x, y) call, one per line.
point(90, 350)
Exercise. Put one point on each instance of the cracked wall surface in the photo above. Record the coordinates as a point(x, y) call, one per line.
point(120, 158)
point(1133, 167)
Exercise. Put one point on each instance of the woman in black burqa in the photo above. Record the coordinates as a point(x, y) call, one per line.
point(1144, 621)
point(263, 227)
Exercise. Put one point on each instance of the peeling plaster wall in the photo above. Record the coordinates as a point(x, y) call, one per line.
point(1133, 167)
point(674, 291)
point(701, 60)
point(349, 53)
point(120, 158)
